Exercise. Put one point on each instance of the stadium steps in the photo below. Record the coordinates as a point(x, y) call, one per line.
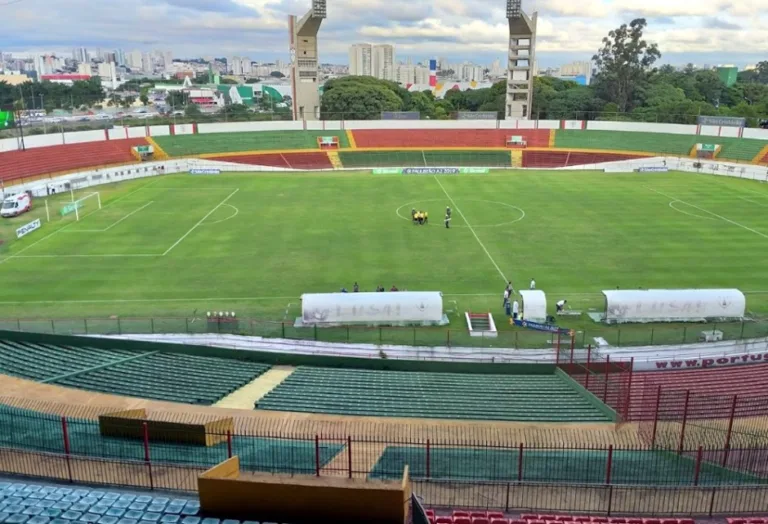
point(170, 376)
point(430, 395)
point(248, 395)
point(308, 160)
point(213, 143)
point(40, 161)
point(437, 138)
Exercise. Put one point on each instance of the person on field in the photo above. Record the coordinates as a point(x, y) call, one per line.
point(515, 310)
point(506, 296)
point(448, 219)
point(560, 305)
point(533, 284)
point(426, 217)
point(355, 288)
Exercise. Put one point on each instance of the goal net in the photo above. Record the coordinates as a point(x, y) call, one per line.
point(81, 207)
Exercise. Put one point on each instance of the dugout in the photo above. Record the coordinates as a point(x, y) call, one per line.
point(534, 305)
point(673, 305)
point(401, 308)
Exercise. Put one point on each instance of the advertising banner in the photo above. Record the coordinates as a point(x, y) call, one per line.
point(477, 115)
point(725, 121)
point(537, 326)
point(432, 171)
point(400, 115)
point(653, 169)
point(205, 171)
point(70, 208)
point(25, 230)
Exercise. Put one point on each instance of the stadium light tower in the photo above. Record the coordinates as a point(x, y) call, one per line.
point(521, 59)
point(304, 62)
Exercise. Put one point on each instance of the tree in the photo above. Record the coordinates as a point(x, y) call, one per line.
point(176, 99)
point(192, 111)
point(623, 63)
point(423, 104)
point(362, 98)
point(276, 74)
point(144, 99)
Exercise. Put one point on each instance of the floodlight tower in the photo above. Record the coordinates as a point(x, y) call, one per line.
point(304, 62)
point(520, 63)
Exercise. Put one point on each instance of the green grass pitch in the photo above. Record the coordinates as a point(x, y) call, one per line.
point(251, 243)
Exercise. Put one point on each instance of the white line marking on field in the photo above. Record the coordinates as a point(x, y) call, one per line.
point(761, 204)
point(212, 211)
point(710, 212)
point(672, 205)
point(225, 219)
point(113, 225)
point(472, 230)
point(118, 199)
point(116, 255)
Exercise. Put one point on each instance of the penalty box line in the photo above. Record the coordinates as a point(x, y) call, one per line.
point(212, 211)
point(114, 224)
point(710, 212)
point(503, 276)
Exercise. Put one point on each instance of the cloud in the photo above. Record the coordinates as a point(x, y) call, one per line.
point(473, 30)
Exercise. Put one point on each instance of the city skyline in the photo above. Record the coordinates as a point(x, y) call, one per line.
point(708, 32)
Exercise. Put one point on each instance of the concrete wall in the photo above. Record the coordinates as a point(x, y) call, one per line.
point(12, 144)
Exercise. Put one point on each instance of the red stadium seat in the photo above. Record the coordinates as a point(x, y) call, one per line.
point(429, 512)
point(756, 521)
point(460, 513)
point(547, 517)
point(443, 520)
point(600, 520)
point(565, 518)
point(686, 521)
point(529, 516)
point(495, 515)
point(499, 521)
point(518, 521)
point(462, 520)
point(582, 519)
point(669, 521)
point(617, 520)
point(483, 514)
point(651, 521)
point(736, 521)
point(480, 520)
point(635, 521)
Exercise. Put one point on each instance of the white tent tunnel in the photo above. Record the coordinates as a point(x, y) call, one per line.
point(534, 305)
point(424, 308)
point(673, 305)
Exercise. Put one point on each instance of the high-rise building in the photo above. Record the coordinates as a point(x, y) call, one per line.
point(421, 75)
point(146, 63)
point(134, 60)
point(120, 57)
point(360, 60)
point(167, 60)
point(84, 69)
point(240, 66)
point(80, 54)
point(382, 61)
point(107, 70)
point(40, 66)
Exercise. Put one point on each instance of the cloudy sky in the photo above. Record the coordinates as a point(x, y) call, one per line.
point(698, 31)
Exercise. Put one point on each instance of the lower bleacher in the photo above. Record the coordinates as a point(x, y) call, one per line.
point(57, 159)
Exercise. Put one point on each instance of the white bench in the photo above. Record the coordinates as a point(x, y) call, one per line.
point(601, 342)
point(711, 336)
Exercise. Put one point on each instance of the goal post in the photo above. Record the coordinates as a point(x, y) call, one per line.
point(89, 203)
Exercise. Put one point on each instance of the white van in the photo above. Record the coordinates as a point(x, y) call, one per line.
point(16, 205)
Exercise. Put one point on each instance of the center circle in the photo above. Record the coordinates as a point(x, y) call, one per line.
point(411, 205)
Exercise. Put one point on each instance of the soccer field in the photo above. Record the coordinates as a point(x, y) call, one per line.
point(255, 243)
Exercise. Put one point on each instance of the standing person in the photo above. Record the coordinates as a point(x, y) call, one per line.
point(506, 296)
point(355, 288)
point(560, 305)
point(393, 288)
point(448, 219)
point(515, 310)
point(510, 288)
point(507, 308)
point(533, 284)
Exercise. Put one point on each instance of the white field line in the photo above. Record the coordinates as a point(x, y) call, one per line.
point(245, 299)
point(472, 230)
point(709, 212)
point(116, 255)
point(212, 211)
point(761, 204)
point(237, 211)
point(113, 225)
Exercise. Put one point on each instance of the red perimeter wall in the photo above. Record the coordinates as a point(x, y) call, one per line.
point(552, 158)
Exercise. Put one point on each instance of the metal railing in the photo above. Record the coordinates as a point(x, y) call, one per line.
point(621, 336)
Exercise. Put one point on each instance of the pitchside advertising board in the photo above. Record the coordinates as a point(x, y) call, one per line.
point(432, 171)
point(25, 230)
point(400, 115)
point(700, 362)
point(652, 169)
point(722, 121)
point(204, 171)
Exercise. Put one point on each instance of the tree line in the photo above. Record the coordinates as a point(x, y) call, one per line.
point(627, 86)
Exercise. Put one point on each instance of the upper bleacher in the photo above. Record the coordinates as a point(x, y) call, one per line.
point(209, 143)
point(541, 398)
